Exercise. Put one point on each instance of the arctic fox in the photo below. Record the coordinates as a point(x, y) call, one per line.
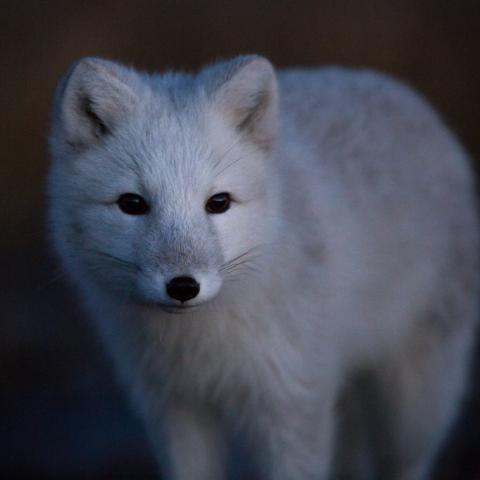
point(286, 262)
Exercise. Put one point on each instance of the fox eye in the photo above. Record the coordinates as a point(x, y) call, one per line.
point(132, 204)
point(218, 203)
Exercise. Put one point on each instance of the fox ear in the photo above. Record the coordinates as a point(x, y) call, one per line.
point(91, 99)
point(247, 97)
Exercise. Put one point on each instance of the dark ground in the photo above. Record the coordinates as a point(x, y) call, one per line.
point(62, 415)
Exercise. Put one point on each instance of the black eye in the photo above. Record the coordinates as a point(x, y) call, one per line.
point(132, 204)
point(218, 203)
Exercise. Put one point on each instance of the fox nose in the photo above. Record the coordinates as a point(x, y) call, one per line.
point(183, 288)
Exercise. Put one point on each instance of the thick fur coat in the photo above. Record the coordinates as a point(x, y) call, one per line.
point(331, 334)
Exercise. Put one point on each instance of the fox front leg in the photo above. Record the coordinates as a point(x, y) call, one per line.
point(298, 446)
point(195, 447)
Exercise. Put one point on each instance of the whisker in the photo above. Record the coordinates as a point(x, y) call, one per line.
point(219, 161)
point(119, 260)
point(238, 257)
point(225, 153)
point(242, 261)
point(245, 264)
point(229, 165)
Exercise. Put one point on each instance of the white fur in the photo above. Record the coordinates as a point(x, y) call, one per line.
point(340, 344)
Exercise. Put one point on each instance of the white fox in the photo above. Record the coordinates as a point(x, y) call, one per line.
point(289, 259)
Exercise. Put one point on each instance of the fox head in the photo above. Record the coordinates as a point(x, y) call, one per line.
point(161, 187)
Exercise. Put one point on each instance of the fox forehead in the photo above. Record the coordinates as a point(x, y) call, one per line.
point(163, 144)
point(170, 158)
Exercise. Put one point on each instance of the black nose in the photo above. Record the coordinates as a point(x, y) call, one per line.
point(183, 288)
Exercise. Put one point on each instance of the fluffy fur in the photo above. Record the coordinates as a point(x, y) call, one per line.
point(338, 299)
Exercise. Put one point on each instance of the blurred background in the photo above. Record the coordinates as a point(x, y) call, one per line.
point(62, 415)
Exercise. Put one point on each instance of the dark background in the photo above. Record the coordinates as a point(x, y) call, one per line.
point(61, 413)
